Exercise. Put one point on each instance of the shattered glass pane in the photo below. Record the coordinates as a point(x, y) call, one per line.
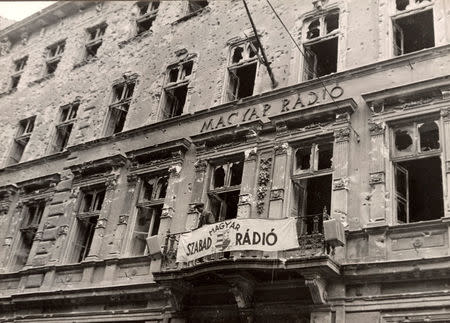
point(403, 141)
point(237, 54)
point(302, 157)
point(429, 136)
point(219, 177)
point(313, 29)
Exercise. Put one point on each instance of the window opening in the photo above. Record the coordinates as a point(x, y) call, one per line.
point(67, 119)
point(150, 204)
point(21, 140)
point(19, 66)
point(242, 70)
point(87, 218)
point(316, 157)
point(195, 5)
point(147, 15)
point(95, 40)
point(28, 228)
point(321, 47)
point(414, 203)
point(54, 54)
point(118, 110)
point(416, 138)
point(176, 90)
point(413, 32)
point(410, 4)
point(225, 189)
point(429, 136)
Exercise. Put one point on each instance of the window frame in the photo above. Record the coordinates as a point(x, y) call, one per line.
point(230, 96)
point(67, 122)
point(21, 139)
point(149, 16)
point(19, 68)
point(97, 41)
point(54, 59)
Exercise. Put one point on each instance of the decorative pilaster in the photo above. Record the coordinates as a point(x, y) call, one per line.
point(445, 114)
point(279, 181)
point(197, 193)
point(317, 287)
point(377, 175)
point(246, 197)
point(264, 176)
point(168, 210)
point(341, 180)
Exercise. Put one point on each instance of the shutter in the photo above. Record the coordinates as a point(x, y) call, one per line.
point(402, 193)
point(233, 85)
point(298, 206)
point(398, 39)
point(310, 64)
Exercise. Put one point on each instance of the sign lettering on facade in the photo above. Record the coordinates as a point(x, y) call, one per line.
point(299, 101)
point(238, 234)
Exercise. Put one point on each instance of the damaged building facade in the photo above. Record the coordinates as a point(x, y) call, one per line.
point(127, 125)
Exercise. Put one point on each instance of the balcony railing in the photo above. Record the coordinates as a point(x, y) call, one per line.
point(310, 237)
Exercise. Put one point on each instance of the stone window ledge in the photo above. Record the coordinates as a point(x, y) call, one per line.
point(10, 91)
point(85, 62)
point(136, 38)
point(42, 79)
point(190, 15)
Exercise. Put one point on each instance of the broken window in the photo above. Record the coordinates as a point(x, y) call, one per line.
point(95, 40)
point(118, 110)
point(417, 164)
point(19, 66)
point(314, 157)
point(225, 189)
point(416, 138)
point(195, 5)
point(176, 89)
point(242, 70)
point(321, 46)
point(147, 15)
point(411, 4)
point(413, 31)
point(87, 217)
point(67, 120)
point(54, 55)
point(312, 178)
point(21, 140)
point(149, 205)
point(31, 218)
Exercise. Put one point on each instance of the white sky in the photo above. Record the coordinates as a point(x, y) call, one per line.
point(18, 10)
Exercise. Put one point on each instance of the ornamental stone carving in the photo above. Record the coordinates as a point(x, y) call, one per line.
point(263, 181)
point(281, 149)
point(5, 46)
point(251, 154)
point(175, 170)
point(200, 165)
point(376, 129)
point(38, 236)
point(341, 184)
point(277, 194)
point(445, 113)
point(24, 38)
point(123, 219)
point(244, 199)
point(8, 241)
point(342, 134)
point(376, 178)
point(111, 183)
point(101, 223)
point(63, 230)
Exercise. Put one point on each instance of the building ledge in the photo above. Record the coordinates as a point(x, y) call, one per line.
point(192, 14)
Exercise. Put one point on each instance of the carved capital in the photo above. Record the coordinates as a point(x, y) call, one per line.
point(111, 183)
point(280, 149)
point(74, 192)
point(376, 178)
point(319, 4)
point(123, 219)
point(175, 170)
point(8, 241)
point(24, 38)
point(200, 165)
point(277, 194)
point(167, 212)
point(101, 223)
point(281, 127)
point(5, 46)
point(251, 154)
point(342, 183)
point(63, 230)
point(342, 134)
point(38, 236)
point(132, 179)
point(376, 129)
point(317, 287)
point(445, 113)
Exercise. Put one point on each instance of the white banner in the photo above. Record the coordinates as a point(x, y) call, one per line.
point(238, 234)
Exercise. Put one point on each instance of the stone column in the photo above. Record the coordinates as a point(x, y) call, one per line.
point(445, 135)
point(247, 197)
point(341, 180)
point(277, 207)
point(377, 173)
point(197, 194)
point(169, 202)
